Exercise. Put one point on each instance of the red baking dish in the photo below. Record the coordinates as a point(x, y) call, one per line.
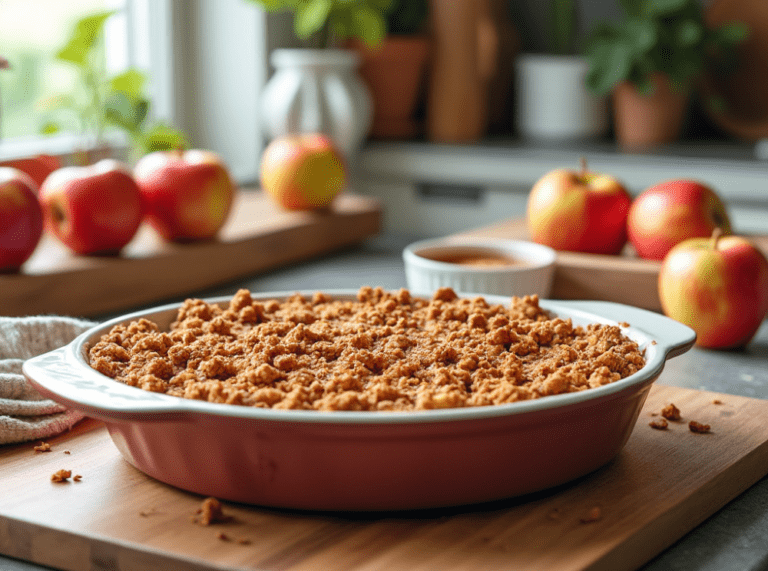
point(366, 460)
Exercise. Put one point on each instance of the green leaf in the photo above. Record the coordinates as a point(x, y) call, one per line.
point(655, 8)
point(733, 33)
point(641, 34)
point(50, 128)
point(689, 33)
point(563, 25)
point(369, 25)
point(161, 137)
point(611, 64)
point(311, 17)
point(631, 7)
point(124, 112)
point(83, 38)
point(130, 82)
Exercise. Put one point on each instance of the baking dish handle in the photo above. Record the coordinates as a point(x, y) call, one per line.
point(673, 337)
point(55, 376)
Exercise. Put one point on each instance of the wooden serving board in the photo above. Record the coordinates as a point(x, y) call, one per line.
point(622, 279)
point(663, 484)
point(258, 236)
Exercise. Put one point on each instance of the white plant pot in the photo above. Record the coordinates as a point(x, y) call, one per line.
point(317, 91)
point(553, 103)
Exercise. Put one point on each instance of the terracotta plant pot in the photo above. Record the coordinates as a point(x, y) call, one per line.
point(394, 74)
point(644, 121)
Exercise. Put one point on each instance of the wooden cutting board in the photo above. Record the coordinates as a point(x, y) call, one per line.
point(258, 236)
point(622, 279)
point(663, 484)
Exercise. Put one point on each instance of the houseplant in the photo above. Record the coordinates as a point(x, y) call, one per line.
point(552, 101)
point(650, 62)
point(101, 101)
point(318, 88)
point(394, 69)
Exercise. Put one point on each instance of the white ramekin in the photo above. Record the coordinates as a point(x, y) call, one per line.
point(425, 275)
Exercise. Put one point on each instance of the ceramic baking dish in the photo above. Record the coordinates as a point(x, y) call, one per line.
point(366, 460)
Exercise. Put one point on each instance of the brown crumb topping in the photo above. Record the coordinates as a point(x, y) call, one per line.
point(77, 478)
point(717, 401)
point(659, 424)
point(43, 447)
point(671, 412)
point(382, 351)
point(61, 476)
point(698, 427)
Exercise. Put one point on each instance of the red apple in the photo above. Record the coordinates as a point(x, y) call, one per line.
point(187, 194)
point(669, 212)
point(303, 172)
point(579, 211)
point(21, 220)
point(717, 286)
point(37, 167)
point(94, 209)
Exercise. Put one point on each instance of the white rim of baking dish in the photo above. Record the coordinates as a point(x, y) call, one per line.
point(68, 378)
point(536, 255)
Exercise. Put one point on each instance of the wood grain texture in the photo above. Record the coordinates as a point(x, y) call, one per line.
point(661, 485)
point(622, 279)
point(258, 236)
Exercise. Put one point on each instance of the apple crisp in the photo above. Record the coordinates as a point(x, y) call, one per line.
point(380, 351)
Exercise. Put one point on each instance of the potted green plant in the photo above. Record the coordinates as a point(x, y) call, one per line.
point(552, 101)
point(650, 61)
point(101, 101)
point(318, 88)
point(394, 69)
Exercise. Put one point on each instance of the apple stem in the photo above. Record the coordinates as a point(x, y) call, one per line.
point(716, 234)
point(583, 165)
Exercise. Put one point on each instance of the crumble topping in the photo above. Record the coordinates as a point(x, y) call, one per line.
point(382, 351)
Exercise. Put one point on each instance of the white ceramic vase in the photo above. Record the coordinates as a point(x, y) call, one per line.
point(552, 101)
point(317, 91)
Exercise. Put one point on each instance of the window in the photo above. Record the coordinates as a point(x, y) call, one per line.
point(30, 35)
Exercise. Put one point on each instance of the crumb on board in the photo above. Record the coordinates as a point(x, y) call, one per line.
point(593, 515)
point(653, 342)
point(210, 511)
point(67, 452)
point(653, 414)
point(623, 323)
point(77, 478)
point(660, 424)
point(671, 412)
point(717, 401)
point(61, 476)
point(223, 536)
point(43, 447)
point(698, 427)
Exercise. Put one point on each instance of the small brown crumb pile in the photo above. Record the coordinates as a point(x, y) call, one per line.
point(671, 412)
point(209, 512)
point(698, 427)
point(43, 447)
point(61, 476)
point(717, 401)
point(659, 424)
point(382, 351)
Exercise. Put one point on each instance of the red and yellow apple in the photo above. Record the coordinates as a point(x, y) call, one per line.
point(579, 211)
point(672, 211)
point(94, 209)
point(303, 172)
point(718, 287)
point(21, 220)
point(187, 195)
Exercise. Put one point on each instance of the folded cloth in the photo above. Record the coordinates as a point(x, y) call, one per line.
point(24, 414)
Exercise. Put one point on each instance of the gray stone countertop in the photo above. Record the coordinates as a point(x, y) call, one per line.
point(734, 539)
